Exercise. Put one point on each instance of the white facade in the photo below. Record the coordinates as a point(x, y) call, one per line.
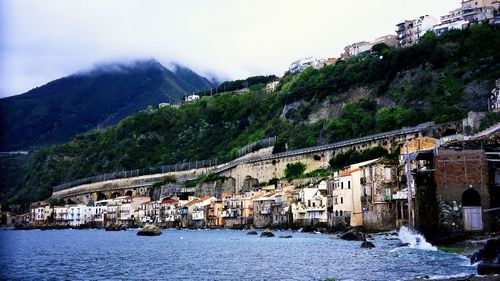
point(301, 64)
point(191, 98)
point(199, 207)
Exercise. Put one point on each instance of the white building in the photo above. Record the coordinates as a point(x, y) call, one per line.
point(192, 97)
point(60, 213)
point(199, 208)
point(129, 209)
point(409, 32)
point(311, 204)
point(303, 63)
point(79, 214)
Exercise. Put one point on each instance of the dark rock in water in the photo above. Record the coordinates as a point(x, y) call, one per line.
point(489, 258)
point(404, 244)
point(285, 236)
point(252, 232)
point(267, 233)
point(353, 235)
point(149, 230)
point(367, 244)
point(116, 227)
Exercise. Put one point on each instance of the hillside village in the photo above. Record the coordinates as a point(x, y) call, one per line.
point(427, 179)
point(452, 192)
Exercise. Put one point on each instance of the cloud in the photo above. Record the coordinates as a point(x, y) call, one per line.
point(41, 41)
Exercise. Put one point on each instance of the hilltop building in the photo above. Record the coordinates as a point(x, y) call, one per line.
point(409, 32)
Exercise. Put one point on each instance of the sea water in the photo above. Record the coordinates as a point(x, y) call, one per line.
point(216, 255)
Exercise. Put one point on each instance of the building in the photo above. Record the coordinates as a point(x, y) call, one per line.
point(271, 86)
point(191, 98)
point(199, 216)
point(60, 215)
point(40, 213)
point(475, 11)
point(262, 210)
point(163, 104)
point(129, 209)
point(310, 207)
point(378, 184)
point(409, 32)
point(303, 63)
point(78, 214)
point(494, 99)
point(356, 49)
point(170, 213)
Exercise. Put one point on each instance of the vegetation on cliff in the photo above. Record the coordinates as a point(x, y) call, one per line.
point(440, 80)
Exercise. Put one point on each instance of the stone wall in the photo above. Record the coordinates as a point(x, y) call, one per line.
point(450, 217)
point(381, 217)
point(216, 188)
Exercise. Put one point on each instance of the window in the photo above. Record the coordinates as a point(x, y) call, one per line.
point(336, 200)
point(387, 173)
point(349, 185)
point(309, 203)
point(342, 185)
point(341, 200)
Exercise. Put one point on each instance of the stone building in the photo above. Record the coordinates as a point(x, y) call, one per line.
point(378, 183)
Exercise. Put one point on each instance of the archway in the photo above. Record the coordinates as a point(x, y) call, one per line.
point(115, 194)
point(128, 193)
point(101, 196)
point(471, 197)
point(473, 215)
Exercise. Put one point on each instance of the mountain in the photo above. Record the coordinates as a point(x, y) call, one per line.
point(440, 79)
point(65, 107)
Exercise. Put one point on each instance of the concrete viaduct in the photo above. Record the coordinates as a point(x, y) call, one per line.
point(263, 166)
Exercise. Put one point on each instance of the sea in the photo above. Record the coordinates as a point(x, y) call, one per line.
point(219, 255)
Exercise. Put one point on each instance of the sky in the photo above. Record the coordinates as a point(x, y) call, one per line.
point(232, 39)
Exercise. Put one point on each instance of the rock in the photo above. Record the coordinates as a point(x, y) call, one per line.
point(367, 244)
point(285, 236)
point(404, 244)
point(353, 235)
point(252, 232)
point(116, 227)
point(267, 233)
point(149, 230)
point(489, 257)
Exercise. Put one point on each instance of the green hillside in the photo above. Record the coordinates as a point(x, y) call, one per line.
point(61, 109)
point(440, 79)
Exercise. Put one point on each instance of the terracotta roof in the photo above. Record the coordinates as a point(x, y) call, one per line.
point(348, 172)
point(226, 195)
point(169, 201)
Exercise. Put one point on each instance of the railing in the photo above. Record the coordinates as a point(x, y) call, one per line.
point(140, 172)
point(263, 143)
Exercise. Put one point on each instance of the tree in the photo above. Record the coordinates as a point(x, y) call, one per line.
point(295, 170)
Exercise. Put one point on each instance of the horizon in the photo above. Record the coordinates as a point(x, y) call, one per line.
point(220, 39)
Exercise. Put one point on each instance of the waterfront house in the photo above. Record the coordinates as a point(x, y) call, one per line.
point(186, 212)
point(199, 215)
point(310, 207)
point(262, 205)
point(231, 209)
point(60, 213)
point(378, 181)
point(345, 192)
point(170, 212)
point(77, 214)
point(40, 212)
point(129, 209)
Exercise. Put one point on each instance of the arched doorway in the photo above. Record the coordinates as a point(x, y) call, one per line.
point(128, 193)
point(473, 213)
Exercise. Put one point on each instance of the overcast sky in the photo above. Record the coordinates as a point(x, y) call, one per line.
point(44, 40)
